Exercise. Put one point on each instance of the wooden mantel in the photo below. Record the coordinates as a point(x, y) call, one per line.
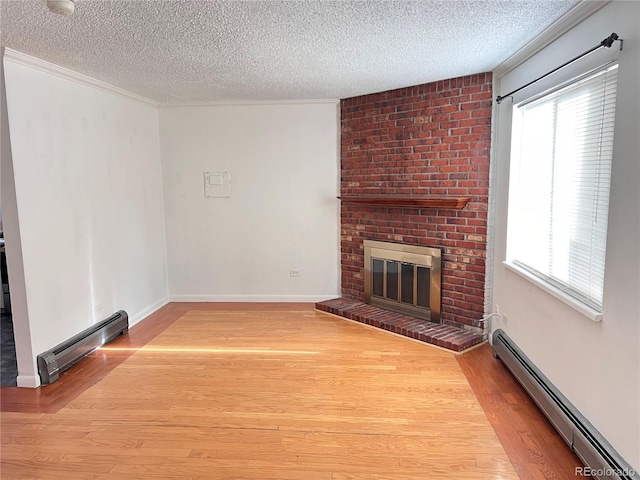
point(410, 201)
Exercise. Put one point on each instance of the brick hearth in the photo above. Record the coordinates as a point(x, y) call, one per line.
point(445, 336)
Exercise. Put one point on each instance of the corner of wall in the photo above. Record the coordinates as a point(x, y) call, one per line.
point(13, 246)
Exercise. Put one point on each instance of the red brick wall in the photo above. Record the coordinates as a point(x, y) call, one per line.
point(431, 139)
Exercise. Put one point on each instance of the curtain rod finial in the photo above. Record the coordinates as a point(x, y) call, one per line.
point(607, 42)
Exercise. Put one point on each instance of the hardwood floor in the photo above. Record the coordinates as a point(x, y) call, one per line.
point(220, 391)
point(536, 450)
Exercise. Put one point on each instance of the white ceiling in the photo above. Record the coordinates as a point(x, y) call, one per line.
point(183, 51)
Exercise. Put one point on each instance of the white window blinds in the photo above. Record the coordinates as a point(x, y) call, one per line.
point(562, 146)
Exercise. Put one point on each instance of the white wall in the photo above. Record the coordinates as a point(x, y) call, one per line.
point(89, 198)
point(283, 212)
point(595, 364)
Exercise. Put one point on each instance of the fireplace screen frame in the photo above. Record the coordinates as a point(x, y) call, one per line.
point(427, 257)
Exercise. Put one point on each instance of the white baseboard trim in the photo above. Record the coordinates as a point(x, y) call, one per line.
point(138, 317)
point(28, 381)
point(253, 298)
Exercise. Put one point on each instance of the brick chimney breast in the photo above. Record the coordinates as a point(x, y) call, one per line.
point(431, 139)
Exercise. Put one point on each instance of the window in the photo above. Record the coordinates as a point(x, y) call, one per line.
point(562, 146)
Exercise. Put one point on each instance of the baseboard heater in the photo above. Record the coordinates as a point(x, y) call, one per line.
point(599, 457)
point(61, 357)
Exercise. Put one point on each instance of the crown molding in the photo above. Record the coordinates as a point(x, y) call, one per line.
point(44, 66)
point(573, 17)
point(230, 103)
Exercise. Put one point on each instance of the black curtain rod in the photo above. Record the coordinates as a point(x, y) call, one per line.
point(607, 42)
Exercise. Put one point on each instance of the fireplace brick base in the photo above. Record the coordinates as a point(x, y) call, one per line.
point(444, 336)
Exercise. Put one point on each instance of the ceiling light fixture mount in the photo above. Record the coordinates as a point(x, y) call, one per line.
point(61, 7)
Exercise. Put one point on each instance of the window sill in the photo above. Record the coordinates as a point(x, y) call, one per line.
point(588, 312)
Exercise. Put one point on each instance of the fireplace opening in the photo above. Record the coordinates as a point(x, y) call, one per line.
point(403, 278)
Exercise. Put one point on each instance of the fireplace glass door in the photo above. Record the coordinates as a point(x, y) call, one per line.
point(404, 278)
point(400, 281)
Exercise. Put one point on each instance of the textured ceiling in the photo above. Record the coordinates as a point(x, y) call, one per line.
point(181, 51)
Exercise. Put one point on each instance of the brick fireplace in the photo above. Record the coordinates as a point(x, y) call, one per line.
point(429, 140)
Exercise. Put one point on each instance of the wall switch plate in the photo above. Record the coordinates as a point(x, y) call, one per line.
point(294, 273)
